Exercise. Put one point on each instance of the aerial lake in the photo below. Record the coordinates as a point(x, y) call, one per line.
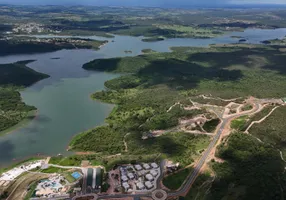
point(63, 100)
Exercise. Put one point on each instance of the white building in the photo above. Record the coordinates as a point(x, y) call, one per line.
point(138, 167)
point(149, 177)
point(154, 173)
point(124, 178)
point(125, 185)
point(154, 165)
point(149, 185)
point(146, 166)
point(140, 186)
point(130, 176)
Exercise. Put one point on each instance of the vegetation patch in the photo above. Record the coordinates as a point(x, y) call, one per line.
point(246, 107)
point(239, 123)
point(100, 139)
point(153, 94)
point(69, 177)
point(178, 146)
point(12, 78)
point(146, 51)
point(199, 187)
point(272, 129)
point(210, 126)
point(258, 116)
point(31, 190)
point(52, 170)
point(175, 181)
point(255, 163)
point(106, 161)
point(153, 39)
point(227, 71)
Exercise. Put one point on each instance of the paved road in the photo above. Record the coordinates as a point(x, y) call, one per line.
point(190, 180)
point(185, 188)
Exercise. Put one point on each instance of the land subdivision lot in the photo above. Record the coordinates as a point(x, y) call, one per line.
point(19, 188)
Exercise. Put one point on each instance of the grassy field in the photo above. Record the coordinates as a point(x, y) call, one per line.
point(52, 170)
point(175, 181)
point(69, 177)
point(239, 123)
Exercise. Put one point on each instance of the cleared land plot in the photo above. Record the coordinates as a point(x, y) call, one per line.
point(19, 188)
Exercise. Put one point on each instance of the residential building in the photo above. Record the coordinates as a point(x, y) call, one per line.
point(149, 185)
point(138, 167)
point(140, 186)
point(154, 165)
point(124, 178)
point(154, 173)
point(146, 166)
point(149, 177)
point(130, 176)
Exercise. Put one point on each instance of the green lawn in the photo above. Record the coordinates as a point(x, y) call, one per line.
point(69, 177)
point(53, 170)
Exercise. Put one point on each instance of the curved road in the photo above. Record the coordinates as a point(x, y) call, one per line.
point(190, 180)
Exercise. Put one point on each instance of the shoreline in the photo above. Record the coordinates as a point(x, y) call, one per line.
point(33, 114)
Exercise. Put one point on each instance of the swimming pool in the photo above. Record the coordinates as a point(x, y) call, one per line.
point(76, 175)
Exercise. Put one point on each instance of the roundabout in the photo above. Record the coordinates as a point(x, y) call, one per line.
point(159, 195)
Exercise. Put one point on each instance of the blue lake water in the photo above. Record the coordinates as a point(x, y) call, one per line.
point(63, 100)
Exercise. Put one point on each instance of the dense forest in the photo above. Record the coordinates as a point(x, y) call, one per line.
point(272, 130)
point(13, 77)
point(18, 74)
point(225, 71)
point(252, 170)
